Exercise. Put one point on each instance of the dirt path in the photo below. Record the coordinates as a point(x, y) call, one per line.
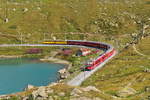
point(137, 51)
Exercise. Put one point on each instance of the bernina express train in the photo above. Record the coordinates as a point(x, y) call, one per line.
point(108, 50)
point(100, 59)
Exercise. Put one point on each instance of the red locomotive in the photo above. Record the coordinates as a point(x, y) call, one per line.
point(92, 64)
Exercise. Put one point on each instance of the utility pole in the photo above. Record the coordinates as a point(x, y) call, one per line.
point(44, 36)
point(20, 35)
point(6, 12)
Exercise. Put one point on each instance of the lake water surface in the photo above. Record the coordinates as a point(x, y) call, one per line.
point(16, 74)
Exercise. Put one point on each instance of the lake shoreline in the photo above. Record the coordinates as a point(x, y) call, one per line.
point(12, 56)
point(43, 60)
point(66, 64)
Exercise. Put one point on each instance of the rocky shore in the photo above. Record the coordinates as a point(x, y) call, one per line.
point(63, 72)
point(52, 92)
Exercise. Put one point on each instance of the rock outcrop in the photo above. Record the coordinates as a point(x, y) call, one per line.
point(85, 98)
point(63, 73)
point(40, 93)
point(75, 92)
point(127, 91)
point(91, 88)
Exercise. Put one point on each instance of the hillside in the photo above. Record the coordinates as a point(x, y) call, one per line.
point(117, 22)
point(126, 77)
point(36, 20)
point(127, 72)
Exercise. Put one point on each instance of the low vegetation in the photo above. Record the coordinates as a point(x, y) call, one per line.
point(33, 21)
point(127, 70)
point(117, 22)
point(126, 77)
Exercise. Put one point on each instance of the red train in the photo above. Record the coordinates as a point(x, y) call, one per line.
point(109, 50)
point(92, 64)
point(88, 44)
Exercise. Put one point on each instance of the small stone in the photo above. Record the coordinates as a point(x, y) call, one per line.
point(75, 92)
point(14, 9)
point(54, 38)
point(50, 91)
point(62, 71)
point(6, 20)
point(127, 91)
point(81, 98)
point(61, 94)
point(39, 98)
point(56, 98)
point(96, 98)
point(91, 88)
point(41, 92)
point(38, 8)
point(25, 98)
point(115, 97)
point(147, 89)
point(25, 9)
point(50, 98)
point(147, 70)
point(148, 97)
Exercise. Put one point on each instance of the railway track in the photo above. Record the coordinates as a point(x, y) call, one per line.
point(101, 60)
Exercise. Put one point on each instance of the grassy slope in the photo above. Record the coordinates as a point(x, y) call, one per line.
point(126, 68)
point(57, 16)
point(107, 21)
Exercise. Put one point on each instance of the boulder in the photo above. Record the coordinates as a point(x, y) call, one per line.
point(147, 89)
point(56, 97)
point(147, 70)
point(81, 98)
point(25, 98)
point(40, 92)
point(75, 92)
point(6, 20)
point(96, 98)
point(127, 91)
point(14, 9)
point(49, 91)
point(62, 71)
point(64, 75)
point(50, 98)
point(147, 98)
point(91, 88)
point(62, 94)
point(25, 9)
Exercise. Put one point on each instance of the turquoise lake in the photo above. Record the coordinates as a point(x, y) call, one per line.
point(16, 74)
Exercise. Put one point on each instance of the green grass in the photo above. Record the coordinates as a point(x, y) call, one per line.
point(57, 16)
point(127, 67)
point(111, 21)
